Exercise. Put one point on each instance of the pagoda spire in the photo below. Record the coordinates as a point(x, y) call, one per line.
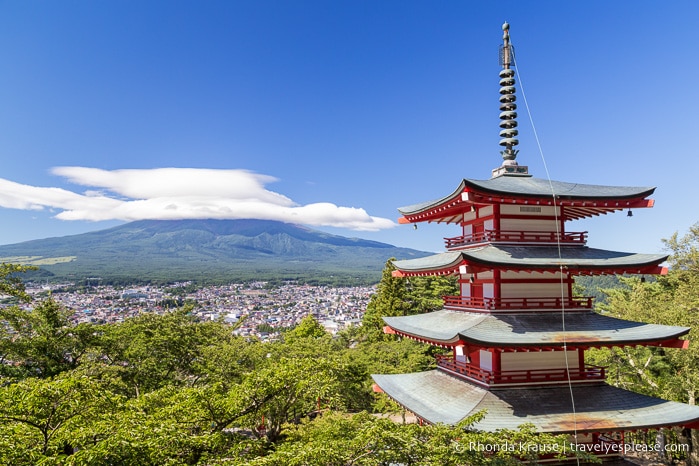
point(508, 111)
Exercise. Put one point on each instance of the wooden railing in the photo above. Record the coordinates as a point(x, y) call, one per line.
point(588, 372)
point(492, 236)
point(492, 304)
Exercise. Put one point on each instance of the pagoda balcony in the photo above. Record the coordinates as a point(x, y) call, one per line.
point(468, 303)
point(535, 237)
point(587, 373)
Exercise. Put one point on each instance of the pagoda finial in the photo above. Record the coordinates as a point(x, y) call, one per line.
point(508, 113)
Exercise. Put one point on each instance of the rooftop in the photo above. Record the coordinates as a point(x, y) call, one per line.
point(583, 329)
point(535, 257)
point(437, 397)
point(533, 190)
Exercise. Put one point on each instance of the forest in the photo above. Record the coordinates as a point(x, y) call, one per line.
point(168, 390)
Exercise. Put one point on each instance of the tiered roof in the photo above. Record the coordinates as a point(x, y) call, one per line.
point(438, 397)
point(579, 200)
point(539, 330)
point(582, 260)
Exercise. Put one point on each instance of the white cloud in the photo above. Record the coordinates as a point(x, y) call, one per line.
point(178, 193)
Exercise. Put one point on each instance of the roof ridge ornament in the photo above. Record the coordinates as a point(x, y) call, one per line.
point(508, 111)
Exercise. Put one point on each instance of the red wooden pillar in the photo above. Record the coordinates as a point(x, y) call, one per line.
point(496, 360)
point(561, 223)
point(496, 218)
point(474, 356)
point(569, 281)
point(497, 284)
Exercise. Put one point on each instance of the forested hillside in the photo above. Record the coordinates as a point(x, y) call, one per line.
point(206, 251)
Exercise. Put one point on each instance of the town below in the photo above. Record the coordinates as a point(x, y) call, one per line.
point(255, 309)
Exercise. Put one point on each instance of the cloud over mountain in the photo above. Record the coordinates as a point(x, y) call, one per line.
point(178, 193)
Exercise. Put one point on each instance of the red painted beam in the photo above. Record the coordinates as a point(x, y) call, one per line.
point(676, 343)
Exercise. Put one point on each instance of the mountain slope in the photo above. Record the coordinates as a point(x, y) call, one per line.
point(209, 250)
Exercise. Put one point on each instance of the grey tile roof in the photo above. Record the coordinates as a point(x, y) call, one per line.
point(531, 330)
point(440, 398)
point(530, 186)
point(434, 395)
point(544, 257)
point(435, 261)
point(536, 187)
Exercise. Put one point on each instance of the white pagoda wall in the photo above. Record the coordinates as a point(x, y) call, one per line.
point(485, 211)
point(533, 285)
point(538, 360)
point(488, 290)
point(530, 222)
point(470, 217)
point(532, 290)
point(533, 211)
point(513, 224)
point(486, 360)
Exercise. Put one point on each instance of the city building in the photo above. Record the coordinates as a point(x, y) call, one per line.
point(516, 332)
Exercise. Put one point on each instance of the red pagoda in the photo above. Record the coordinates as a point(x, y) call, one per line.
point(516, 332)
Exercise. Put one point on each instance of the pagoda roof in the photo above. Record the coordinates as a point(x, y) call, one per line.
point(530, 330)
point(585, 200)
point(587, 260)
point(438, 397)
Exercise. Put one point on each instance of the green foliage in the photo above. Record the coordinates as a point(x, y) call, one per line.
point(41, 341)
point(265, 328)
point(337, 439)
point(595, 285)
point(390, 299)
point(670, 300)
point(307, 328)
point(685, 250)
point(11, 283)
point(401, 296)
point(394, 356)
point(40, 416)
point(150, 351)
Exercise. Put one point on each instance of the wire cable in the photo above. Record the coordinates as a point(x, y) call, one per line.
point(560, 256)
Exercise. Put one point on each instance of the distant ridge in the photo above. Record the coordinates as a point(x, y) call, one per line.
point(207, 250)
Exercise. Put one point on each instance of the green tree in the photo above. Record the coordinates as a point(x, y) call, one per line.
point(226, 360)
point(349, 368)
point(151, 351)
point(396, 296)
point(167, 426)
point(670, 300)
point(288, 390)
point(425, 293)
point(685, 250)
point(38, 417)
point(335, 439)
point(307, 328)
point(390, 299)
point(11, 283)
point(42, 341)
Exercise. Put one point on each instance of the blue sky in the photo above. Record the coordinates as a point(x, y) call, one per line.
point(337, 112)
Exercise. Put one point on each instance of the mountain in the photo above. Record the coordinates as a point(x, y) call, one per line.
point(214, 251)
